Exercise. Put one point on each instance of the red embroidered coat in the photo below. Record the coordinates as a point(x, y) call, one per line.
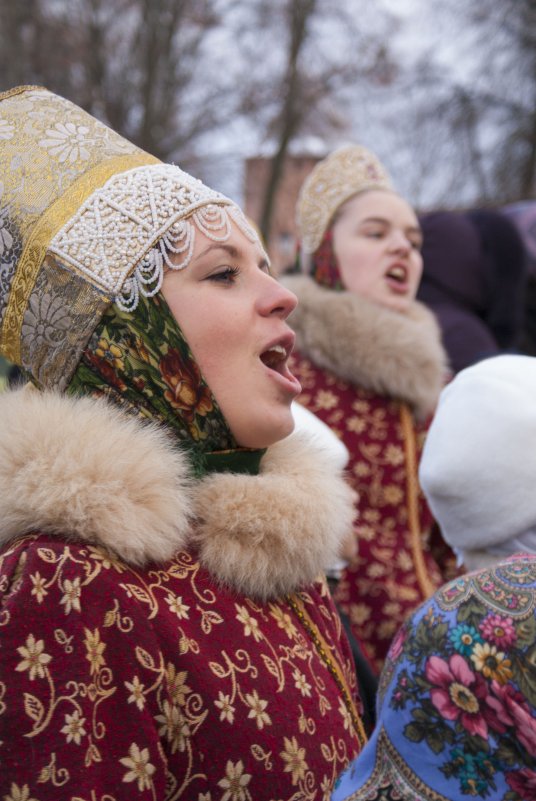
point(209, 675)
point(370, 374)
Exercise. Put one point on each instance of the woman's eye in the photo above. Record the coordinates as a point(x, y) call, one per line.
point(225, 276)
point(374, 233)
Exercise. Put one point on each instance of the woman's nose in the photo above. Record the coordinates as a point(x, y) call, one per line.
point(399, 242)
point(278, 300)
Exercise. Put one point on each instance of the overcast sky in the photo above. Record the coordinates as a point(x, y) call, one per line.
point(381, 118)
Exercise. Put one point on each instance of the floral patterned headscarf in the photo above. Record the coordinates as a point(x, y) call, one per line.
point(457, 697)
point(141, 361)
point(324, 267)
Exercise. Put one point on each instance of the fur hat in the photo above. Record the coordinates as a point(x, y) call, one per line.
point(86, 219)
point(479, 461)
point(346, 172)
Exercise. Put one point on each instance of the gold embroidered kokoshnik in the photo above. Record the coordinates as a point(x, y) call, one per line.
point(52, 220)
point(17, 90)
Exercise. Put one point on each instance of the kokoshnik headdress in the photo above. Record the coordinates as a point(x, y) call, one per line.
point(87, 219)
point(346, 172)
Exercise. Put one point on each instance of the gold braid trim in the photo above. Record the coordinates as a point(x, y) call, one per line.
point(297, 605)
point(412, 486)
point(48, 225)
point(19, 90)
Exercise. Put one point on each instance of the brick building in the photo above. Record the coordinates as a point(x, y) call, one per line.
point(282, 244)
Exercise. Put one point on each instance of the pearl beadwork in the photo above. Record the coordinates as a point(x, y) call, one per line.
point(127, 231)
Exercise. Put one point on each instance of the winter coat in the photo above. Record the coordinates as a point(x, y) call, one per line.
point(473, 280)
point(373, 375)
point(162, 638)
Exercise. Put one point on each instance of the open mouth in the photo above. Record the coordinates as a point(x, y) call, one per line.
point(398, 274)
point(397, 278)
point(276, 358)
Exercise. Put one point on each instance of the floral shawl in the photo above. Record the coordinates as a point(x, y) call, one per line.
point(141, 361)
point(457, 697)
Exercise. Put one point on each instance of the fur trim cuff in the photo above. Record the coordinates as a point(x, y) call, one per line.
point(82, 469)
point(271, 534)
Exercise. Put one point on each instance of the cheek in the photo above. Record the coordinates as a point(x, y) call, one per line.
point(416, 271)
point(220, 356)
point(201, 337)
point(357, 265)
point(209, 352)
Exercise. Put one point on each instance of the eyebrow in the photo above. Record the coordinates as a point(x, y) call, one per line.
point(415, 228)
point(233, 252)
point(230, 249)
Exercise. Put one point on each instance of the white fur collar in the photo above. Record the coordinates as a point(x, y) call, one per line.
point(394, 354)
point(83, 470)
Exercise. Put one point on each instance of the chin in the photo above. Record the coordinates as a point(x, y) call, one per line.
point(268, 431)
point(401, 305)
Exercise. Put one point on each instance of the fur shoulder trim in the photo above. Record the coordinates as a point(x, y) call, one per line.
point(273, 533)
point(82, 469)
point(394, 354)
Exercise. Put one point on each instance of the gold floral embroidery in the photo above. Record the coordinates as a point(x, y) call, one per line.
point(359, 613)
point(178, 607)
point(58, 777)
point(392, 608)
point(137, 695)
point(250, 689)
point(39, 589)
point(140, 768)
point(19, 793)
point(258, 710)
point(356, 424)
point(227, 710)
point(283, 620)
point(392, 494)
point(113, 617)
point(345, 714)
point(176, 684)
point(174, 726)
point(336, 756)
point(251, 625)
point(74, 727)
point(301, 683)
point(234, 782)
point(106, 560)
point(324, 399)
point(384, 443)
point(34, 658)
point(71, 597)
point(95, 650)
point(294, 758)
